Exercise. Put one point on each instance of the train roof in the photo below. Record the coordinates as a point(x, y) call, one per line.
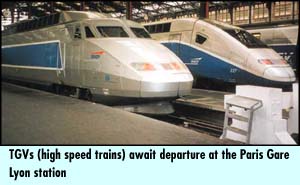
point(221, 24)
point(53, 19)
point(67, 16)
point(192, 20)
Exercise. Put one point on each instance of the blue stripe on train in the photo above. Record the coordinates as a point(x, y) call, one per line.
point(37, 55)
point(214, 68)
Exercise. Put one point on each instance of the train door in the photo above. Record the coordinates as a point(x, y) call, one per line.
point(174, 43)
point(111, 70)
point(92, 64)
point(73, 52)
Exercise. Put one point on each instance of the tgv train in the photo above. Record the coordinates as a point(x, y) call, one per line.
point(283, 39)
point(89, 53)
point(220, 55)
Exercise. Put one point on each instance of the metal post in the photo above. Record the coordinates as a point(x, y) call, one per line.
point(231, 14)
point(250, 13)
point(29, 10)
point(18, 14)
point(202, 10)
point(129, 10)
point(206, 9)
point(82, 5)
point(12, 13)
point(52, 7)
point(293, 10)
point(297, 58)
point(269, 7)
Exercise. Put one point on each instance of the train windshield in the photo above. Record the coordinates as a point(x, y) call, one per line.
point(112, 31)
point(140, 32)
point(246, 38)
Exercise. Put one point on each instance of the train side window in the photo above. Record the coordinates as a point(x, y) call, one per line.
point(159, 28)
point(88, 32)
point(34, 24)
point(166, 27)
point(40, 23)
point(77, 34)
point(56, 18)
point(200, 39)
point(45, 22)
point(50, 20)
point(152, 28)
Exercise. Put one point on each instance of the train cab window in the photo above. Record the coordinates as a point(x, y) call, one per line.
point(88, 32)
point(77, 34)
point(140, 32)
point(246, 38)
point(112, 31)
point(200, 39)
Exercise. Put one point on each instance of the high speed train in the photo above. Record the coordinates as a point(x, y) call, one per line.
point(220, 55)
point(282, 38)
point(92, 54)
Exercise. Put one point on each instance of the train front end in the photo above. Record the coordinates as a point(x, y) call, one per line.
point(135, 66)
point(146, 69)
point(276, 72)
point(162, 73)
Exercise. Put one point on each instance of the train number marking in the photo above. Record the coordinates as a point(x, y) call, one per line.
point(233, 70)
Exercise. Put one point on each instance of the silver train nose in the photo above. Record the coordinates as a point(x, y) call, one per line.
point(176, 85)
point(283, 74)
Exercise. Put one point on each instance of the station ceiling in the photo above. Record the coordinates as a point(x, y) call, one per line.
point(141, 10)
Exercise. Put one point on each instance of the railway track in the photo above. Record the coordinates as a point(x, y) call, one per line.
point(195, 123)
point(199, 125)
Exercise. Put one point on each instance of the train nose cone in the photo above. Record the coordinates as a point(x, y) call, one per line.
point(284, 74)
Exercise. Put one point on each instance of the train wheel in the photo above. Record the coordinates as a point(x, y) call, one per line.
point(57, 89)
point(85, 94)
point(77, 93)
point(81, 93)
point(89, 95)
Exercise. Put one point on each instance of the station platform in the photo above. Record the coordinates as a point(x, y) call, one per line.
point(31, 116)
point(207, 99)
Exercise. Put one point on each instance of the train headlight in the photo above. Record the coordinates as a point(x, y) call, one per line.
point(173, 66)
point(143, 66)
point(273, 61)
point(283, 61)
point(176, 66)
point(265, 61)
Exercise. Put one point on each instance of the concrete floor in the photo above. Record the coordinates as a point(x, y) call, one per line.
point(36, 117)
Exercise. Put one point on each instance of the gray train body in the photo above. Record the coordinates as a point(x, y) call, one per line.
point(96, 53)
point(219, 54)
